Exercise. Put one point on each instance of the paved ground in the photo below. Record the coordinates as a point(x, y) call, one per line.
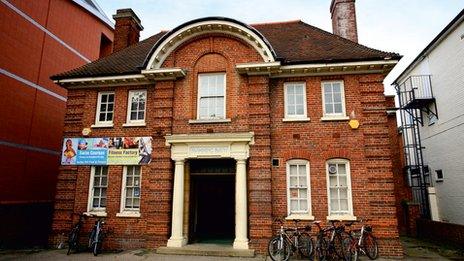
point(414, 250)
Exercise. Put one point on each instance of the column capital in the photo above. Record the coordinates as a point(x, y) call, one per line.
point(241, 160)
point(179, 161)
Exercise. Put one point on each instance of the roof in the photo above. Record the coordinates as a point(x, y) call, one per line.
point(436, 41)
point(294, 42)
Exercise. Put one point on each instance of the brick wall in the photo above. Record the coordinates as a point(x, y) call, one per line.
point(254, 103)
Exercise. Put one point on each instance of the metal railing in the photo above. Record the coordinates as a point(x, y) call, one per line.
point(415, 87)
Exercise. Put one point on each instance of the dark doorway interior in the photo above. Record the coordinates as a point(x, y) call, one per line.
point(212, 204)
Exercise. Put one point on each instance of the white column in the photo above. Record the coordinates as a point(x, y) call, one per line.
point(241, 213)
point(177, 238)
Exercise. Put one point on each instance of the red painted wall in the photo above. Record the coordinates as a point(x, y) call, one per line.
point(29, 117)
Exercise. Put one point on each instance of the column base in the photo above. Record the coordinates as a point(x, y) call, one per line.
point(177, 242)
point(240, 244)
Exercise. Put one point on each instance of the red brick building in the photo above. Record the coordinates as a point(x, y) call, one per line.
point(247, 123)
point(39, 39)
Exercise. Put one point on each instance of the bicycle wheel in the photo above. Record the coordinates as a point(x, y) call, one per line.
point(73, 241)
point(321, 249)
point(370, 246)
point(279, 249)
point(339, 246)
point(305, 244)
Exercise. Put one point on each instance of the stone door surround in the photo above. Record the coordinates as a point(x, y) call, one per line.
point(216, 145)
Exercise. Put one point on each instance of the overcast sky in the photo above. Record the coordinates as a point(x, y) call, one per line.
point(402, 26)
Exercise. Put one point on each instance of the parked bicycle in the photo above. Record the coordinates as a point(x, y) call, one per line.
point(73, 238)
point(361, 241)
point(289, 241)
point(96, 237)
point(330, 241)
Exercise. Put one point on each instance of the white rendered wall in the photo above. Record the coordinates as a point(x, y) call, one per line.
point(444, 140)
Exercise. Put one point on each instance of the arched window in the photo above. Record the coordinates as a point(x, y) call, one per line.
point(339, 189)
point(298, 189)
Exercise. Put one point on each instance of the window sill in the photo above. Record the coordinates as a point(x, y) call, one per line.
point(300, 216)
point(342, 217)
point(335, 118)
point(128, 214)
point(95, 213)
point(140, 124)
point(296, 119)
point(209, 121)
point(109, 125)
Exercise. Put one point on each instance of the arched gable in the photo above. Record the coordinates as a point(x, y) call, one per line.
point(179, 35)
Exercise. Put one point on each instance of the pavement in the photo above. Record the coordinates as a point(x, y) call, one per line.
point(414, 250)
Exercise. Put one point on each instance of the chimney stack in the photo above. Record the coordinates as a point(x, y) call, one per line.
point(127, 29)
point(343, 13)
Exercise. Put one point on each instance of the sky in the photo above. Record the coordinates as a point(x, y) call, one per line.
point(402, 26)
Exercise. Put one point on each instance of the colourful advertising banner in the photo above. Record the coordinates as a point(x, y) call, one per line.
point(106, 151)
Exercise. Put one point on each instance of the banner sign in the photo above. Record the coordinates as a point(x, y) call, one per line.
point(106, 151)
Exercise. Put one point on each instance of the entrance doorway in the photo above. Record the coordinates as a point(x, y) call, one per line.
point(212, 204)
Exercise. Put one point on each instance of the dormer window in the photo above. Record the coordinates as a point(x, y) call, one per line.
point(211, 96)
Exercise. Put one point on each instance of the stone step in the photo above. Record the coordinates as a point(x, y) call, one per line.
point(206, 250)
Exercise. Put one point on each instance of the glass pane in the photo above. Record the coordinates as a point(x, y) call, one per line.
point(103, 202)
point(103, 107)
point(104, 171)
point(95, 203)
point(299, 90)
point(129, 192)
point(104, 98)
point(104, 181)
point(137, 171)
point(302, 170)
point(110, 107)
point(299, 99)
point(341, 169)
point(101, 117)
point(338, 108)
point(334, 205)
point(328, 98)
point(293, 193)
point(299, 109)
point(327, 88)
point(343, 193)
point(141, 115)
point(137, 192)
point(333, 181)
point(291, 110)
point(141, 106)
point(293, 181)
point(303, 181)
point(134, 106)
point(96, 192)
point(337, 97)
point(110, 97)
point(336, 87)
point(342, 181)
point(290, 89)
point(344, 204)
point(294, 205)
point(303, 193)
point(293, 170)
point(329, 108)
point(304, 205)
point(137, 182)
point(103, 194)
point(136, 203)
point(109, 116)
point(128, 203)
point(333, 193)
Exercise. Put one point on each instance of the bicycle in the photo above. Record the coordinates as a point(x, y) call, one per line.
point(362, 241)
point(73, 238)
point(329, 241)
point(96, 237)
point(289, 241)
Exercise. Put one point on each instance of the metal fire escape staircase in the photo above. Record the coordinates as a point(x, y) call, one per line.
point(416, 99)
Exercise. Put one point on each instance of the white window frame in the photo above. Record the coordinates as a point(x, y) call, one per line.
point(334, 116)
point(303, 215)
point(304, 116)
point(105, 123)
point(129, 212)
point(349, 215)
point(198, 97)
point(130, 122)
point(101, 212)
